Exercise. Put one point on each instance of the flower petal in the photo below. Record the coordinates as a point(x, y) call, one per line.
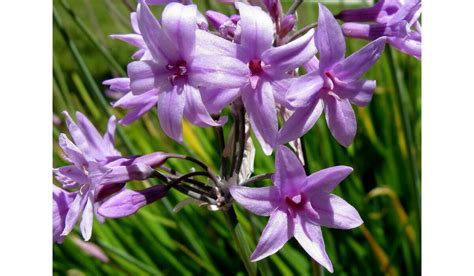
point(354, 66)
point(109, 138)
point(310, 237)
point(257, 31)
point(81, 143)
point(196, 112)
point(217, 72)
point(303, 91)
point(335, 212)
point(359, 92)
point(260, 106)
point(73, 153)
point(208, 44)
point(75, 209)
point(132, 39)
point(326, 180)
point(279, 230)
point(67, 173)
point(61, 201)
point(121, 174)
point(128, 202)
point(261, 201)
point(312, 65)
point(179, 24)
point(341, 119)
point(87, 220)
point(329, 39)
point(216, 99)
point(302, 120)
point(94, 139)
point(289, 172)
point(146, 75)
point(159, 45)
point(292, 55)
point(170, 112)
point(118, 84)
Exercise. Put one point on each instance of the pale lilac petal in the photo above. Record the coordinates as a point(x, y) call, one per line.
point(179, 24)
point(257, 31)
point(134, 22)
point(73, 153)
point(354, 66)
point(310, 237)
point(216, 99)
point(279, 230)
point(312, 65)
point(109, 138)
point(146, 75)
point(335, 212)
point(128, 202)
point(260, 106)
point(302, 120)
point(289, 172)
point(95, 141)
point(75, 210)
point(87, 220)
point(304, 90)
point(329, 39)
point(132, 39)
point(118, 84)
point(326, 180)
point(69, 173)
point(261, 201)
point(216, 18)
point(130, 101)
point(292, 55)
point(195, 110)
point(217, 72)
point(359, 92)
point(159, 45)
point(280, 86)
point(61, 202)
point(408, 46)
point(80, 141)
point(121, 174)
point(170, 112)
point(341, 119)
point(152, 159)
point(210, 44)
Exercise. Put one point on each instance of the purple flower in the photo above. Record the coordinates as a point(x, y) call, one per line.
point(176, 73)
point(135, 39)
point(331, 85)
point(97, 171)
point(269, 67)
point(400, 26)
point(298, 205)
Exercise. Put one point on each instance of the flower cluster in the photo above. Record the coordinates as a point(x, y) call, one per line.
point(251, 63)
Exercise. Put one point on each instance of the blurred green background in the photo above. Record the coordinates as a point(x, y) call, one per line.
point(384, 186)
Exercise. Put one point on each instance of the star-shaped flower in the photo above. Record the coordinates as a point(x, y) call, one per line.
point(177, 73)
point(331, 85)
point(298, 205)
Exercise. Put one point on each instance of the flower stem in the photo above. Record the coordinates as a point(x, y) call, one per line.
point(407, 129)
point(240, 240)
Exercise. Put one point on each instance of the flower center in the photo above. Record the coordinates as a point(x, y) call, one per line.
point(177, 70)
point(296, 202)
point(255, 66)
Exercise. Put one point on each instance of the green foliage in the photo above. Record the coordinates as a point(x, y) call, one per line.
point(386, 156)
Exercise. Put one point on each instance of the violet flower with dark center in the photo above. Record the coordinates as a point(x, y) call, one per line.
point(269, 67)
point(331, 84)
point(97, 172)
point(176, 74)
point(298, 205)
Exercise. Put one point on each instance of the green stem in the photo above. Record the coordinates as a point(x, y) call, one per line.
point(407, 129)
point(239, 238)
